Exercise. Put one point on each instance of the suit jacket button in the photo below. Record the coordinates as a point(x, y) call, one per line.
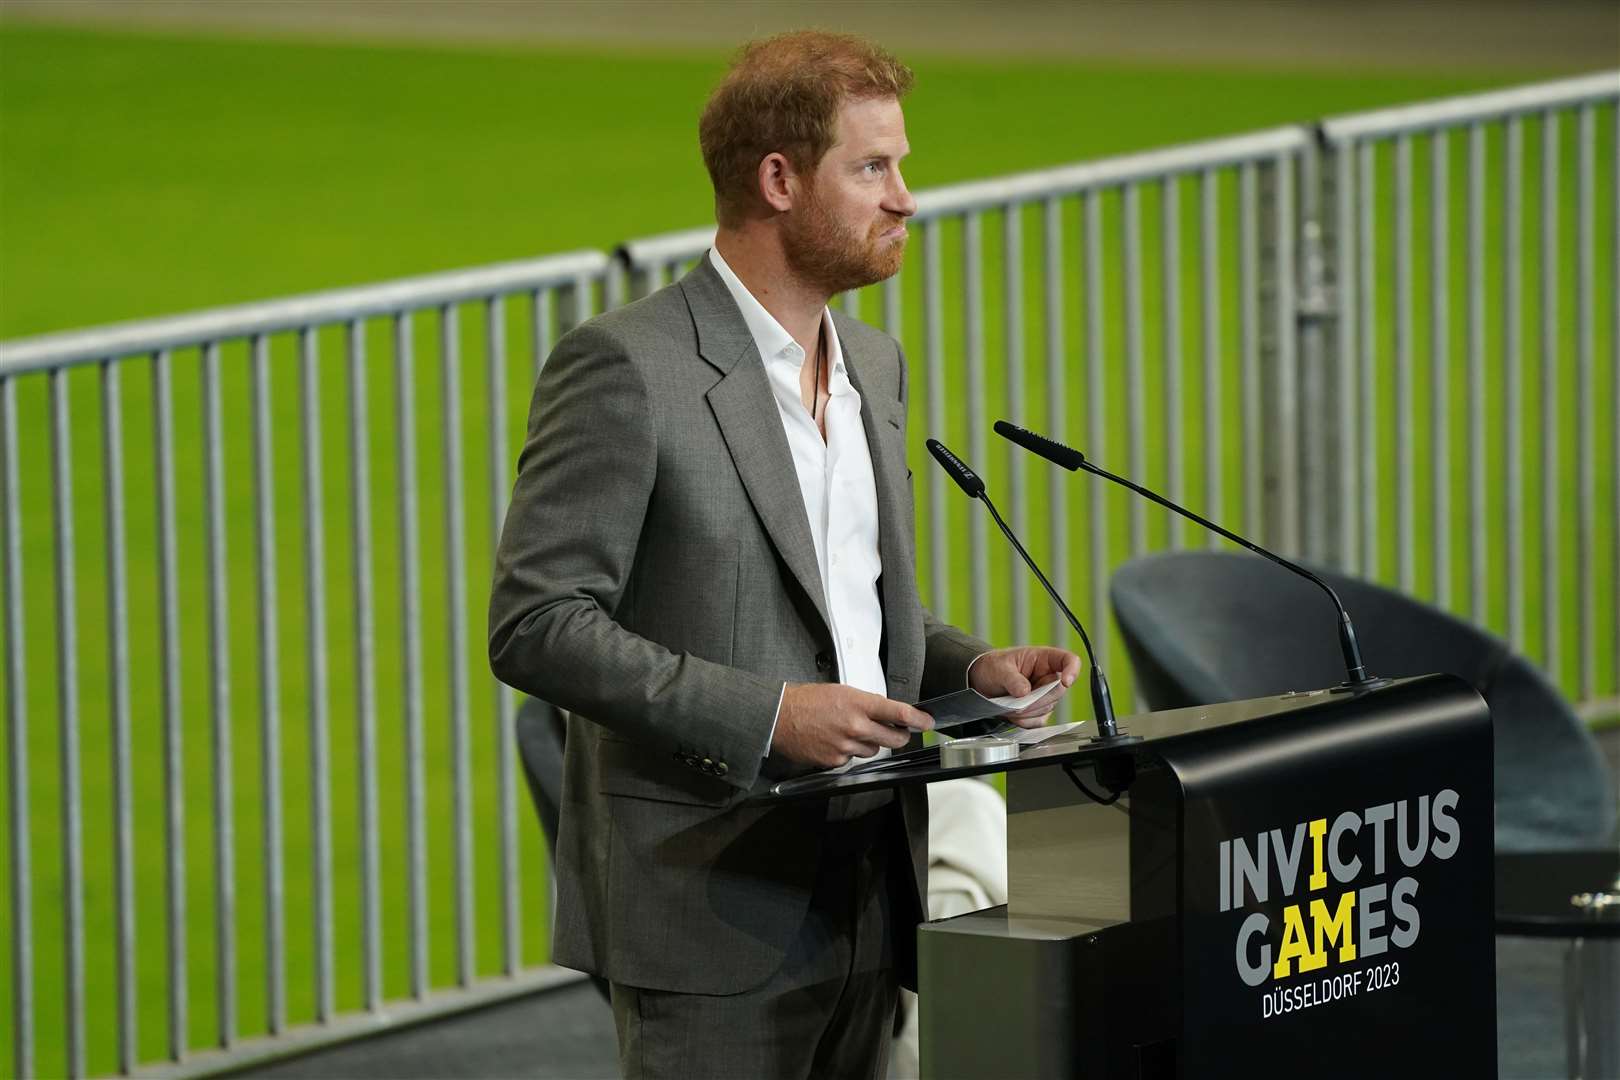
point(691, 760)
point(708, 765)
point(720, 768)
point(823, 662)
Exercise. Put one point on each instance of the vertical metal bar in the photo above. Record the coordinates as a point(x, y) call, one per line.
point(1135, 388)
point(1585, 415)
point(1057, 505)
point(939, 570)
point(1249, 332)
point(1405, 418)
point(1513, 365)
point(411, 625)
point(1209, 244)
point(219, 700)
point(1288, 477)
point(67, 682)
point(540, 316)
point(365, 667)
point(1478, 536)
point(1316, 425)
point(1349, 358)
point(1614, 391)
point(1170, 280)
point(455, 557)
point(582, 301)
point(1551, 512)
point(1440, 361)
point(1366, 247)
point(505, 709)
point(112, 444)
point(616, 284)
point(173, 757)
point(1096, 417)
point(315, 643)
point(17, 788)
point(1012, 269)
point(269, 692)
point(973, 355)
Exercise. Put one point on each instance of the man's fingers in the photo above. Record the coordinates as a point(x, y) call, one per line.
point(1034, 721)
point(1061, 663)
point(886, 734)
point(1052, 692)
point(876, 733)
point(1017, 684)
point(889, 711)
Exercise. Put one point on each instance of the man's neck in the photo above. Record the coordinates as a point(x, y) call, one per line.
point(759, 265)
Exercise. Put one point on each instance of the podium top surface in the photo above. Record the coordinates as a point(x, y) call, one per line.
point(1155, 733)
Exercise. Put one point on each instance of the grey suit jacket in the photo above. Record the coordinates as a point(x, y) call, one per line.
point(656, 578)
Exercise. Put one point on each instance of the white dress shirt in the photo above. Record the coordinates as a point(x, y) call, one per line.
point(835, 482)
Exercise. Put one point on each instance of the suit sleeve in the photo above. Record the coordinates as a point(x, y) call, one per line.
point(947, 651)
point(948, 654)
point(563, 567)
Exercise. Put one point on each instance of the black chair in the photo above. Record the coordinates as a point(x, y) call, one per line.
point(541, 733)
point(1204, 627)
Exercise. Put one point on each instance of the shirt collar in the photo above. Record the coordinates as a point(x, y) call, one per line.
point(774, 342)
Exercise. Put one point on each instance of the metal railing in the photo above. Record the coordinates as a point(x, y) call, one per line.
point(1404, 151)
point(557, 292)
point(1214, 320)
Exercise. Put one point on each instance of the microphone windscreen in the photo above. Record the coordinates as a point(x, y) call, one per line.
point(1055, 452)
point(965, 478)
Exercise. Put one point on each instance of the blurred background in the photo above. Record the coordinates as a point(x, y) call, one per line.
point(162, 157)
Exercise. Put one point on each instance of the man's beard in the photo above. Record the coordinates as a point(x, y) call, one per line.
point(823, 252)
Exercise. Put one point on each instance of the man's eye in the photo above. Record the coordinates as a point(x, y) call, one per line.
point(874, 167)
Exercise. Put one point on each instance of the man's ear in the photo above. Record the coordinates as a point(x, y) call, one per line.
point(778, 182)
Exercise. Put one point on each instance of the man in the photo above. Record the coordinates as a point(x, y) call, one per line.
point(709, 562)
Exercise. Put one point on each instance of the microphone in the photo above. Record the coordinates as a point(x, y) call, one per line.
point(1356, 676)
point(1055, 452)
point(1102, 701)
point(957, 470)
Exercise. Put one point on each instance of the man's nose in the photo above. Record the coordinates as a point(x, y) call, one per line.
point(900, 200)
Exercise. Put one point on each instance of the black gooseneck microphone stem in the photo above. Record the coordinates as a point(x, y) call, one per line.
point(1069, 458)
point(1047, 585)
point(1354, 667)
point(1102, 702)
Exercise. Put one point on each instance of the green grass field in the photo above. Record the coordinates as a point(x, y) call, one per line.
point(144, 175)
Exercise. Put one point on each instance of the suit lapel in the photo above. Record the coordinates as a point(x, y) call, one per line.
point(745, 409)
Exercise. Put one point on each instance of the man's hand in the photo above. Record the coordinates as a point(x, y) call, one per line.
point(1015, 672)
point(826, 724)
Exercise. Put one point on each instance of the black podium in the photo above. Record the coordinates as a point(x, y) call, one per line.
point(1296, 886)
